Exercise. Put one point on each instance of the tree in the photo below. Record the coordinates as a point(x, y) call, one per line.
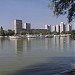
point(23, 32)
point(73, 32)
point(2, 31)
point(10, 32)
point(63, 32)
point(63, 7)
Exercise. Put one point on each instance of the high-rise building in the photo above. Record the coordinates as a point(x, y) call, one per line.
point(62, 27)
point(68, 27)
point(53, 28)
point(46, 27)
point(57, 28)
point(17, 26)
point(27, 26)
point(50, 28)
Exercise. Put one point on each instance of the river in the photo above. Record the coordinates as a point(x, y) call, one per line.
point(36, 56)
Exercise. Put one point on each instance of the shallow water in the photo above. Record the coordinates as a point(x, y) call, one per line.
point(36, 56)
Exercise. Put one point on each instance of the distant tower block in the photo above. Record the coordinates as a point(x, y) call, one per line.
point(53, 28)
point(57, 28)
point(27, 26)
point(46, 27)
point(62, 27)
point(17, 26)
point(68, 27)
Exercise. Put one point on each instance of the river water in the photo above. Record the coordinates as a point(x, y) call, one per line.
point(36, 56)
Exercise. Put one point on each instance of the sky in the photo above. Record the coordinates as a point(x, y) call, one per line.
point(35, 12)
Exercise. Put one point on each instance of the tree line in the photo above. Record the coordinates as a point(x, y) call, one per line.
point(8, 32)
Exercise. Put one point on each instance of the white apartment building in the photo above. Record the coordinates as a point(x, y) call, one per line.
point(52, 28)
point(68, 27)
point(57, 28)
point(62, 27)
point(46, 27)
point(17, 26)
point(27, 26)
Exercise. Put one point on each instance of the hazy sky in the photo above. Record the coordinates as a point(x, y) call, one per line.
point(35, 12)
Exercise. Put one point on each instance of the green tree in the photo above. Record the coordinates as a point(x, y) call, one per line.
point(63, 7)
point(35, 32)
point(63, 32)
point(2, 31)
point(23, 32)
point(73, 32)
point(10, 32)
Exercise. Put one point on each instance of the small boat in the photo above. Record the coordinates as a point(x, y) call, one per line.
point(41, 35)
point(63, 35)
point(48, 36)
point(56, 35)
point(14, 37)
point(30, 36)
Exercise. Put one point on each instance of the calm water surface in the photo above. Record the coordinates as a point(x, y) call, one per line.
point(36, 56)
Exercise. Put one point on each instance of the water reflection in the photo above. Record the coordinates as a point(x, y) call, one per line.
point(22, 45)
point(4, 42)
point(28, 44)
point(35, 51)
point(58, 43)
point(18, 46)
point(2, 39)
point(47, 43)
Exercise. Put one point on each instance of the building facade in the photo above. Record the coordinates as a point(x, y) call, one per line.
point(53, 29)
point(57, 28)
point(17, 26)
point(27, 26)
point(46, 27)
point(68, 27)
point(62, 27)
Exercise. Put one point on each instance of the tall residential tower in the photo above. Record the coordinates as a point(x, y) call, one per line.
point(62, 27)
point(27, 26)
point(17, 26)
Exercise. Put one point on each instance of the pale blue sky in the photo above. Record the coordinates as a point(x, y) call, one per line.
point(35, 12)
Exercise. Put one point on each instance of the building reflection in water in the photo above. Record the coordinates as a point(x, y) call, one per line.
point(1, 43)
point(68, 42)
point(58, 43)
point(4, 42)
point(2, 39)
point(62, 44)
point(19, 46)
point(47, 43)
point(27, 45)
